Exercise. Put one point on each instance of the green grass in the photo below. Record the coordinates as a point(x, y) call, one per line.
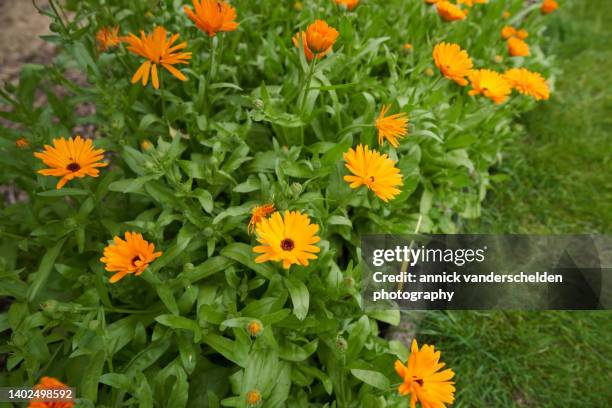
point(559, 182)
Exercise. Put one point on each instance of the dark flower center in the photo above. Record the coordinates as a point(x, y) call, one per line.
point(73, 167)
point(372, 179)
point(287, 244)
point(419, 381)
point(135, 259)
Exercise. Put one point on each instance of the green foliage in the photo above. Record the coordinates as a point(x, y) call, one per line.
point(243, 130)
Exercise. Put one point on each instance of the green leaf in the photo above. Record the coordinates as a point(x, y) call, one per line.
point(299, 296)
point(358, 335)
point(166, 295)
point(93, 372)
point(208, 268)
point(44, 269)
point(241, 253)
point(63, 192)
point(130, 185)
point(373, 378)
point(205, 198)
point(227, 348)
point(180, 322)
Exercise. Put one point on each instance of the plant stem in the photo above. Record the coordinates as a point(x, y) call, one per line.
point(304, 94)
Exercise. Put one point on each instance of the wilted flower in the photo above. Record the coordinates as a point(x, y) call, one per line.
point(212, 16)
point(548, 6)
point(50, 383)
point(528, 83)
point(423, 380)
point(449, 12)
point(107, 38)
point(288, 239)
point(391, 127)
point(259, 213)
point(318, 39)
point(71, 158)
point(374, 170)
point(130, 256)
point(22, 143)
point(348, 4)
point(453, 62)
point(517, 47)
point(158, 50)
point(491, 84)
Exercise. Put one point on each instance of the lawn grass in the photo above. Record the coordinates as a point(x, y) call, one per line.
point(559, 183)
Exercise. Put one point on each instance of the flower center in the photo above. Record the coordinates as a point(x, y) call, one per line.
point(419, 381)
point(73, 167)
point(135, 259)
point(287, 244)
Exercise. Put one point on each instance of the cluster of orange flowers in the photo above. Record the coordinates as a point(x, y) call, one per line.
point(455, 64)
point(517, 47)
point(449, 11)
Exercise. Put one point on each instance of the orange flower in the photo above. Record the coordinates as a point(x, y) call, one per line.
point(289, 240)
point(471, 3)
point(158, 50)
point(146, 144)
point(348, 4)
point(50, 383)
point(130, 256)
point(259, 213)
point(392, 127)
point(491, 84)
point(71, 158)
point(374, 170)
point(254, 328)
point(212, 16)
point(509, 32)
point(517, 47)
point(449, 12)
point(318, 39)
point(107, 38)
point(253, 398)
point(423, 380)
point(432, 1)
point(407, 47)
point(22, 143)
point(454, 63)
point(506, 15)
point(548, 6)
point(528, 83)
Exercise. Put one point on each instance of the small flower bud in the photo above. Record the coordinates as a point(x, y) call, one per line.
point(255, 328)
point(258, 104)
point(298, 6)
point(146, 144)
point(253, 398)
point(341, 344)
point(429, 72)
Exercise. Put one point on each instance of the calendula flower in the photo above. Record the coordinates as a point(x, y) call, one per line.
point(391, 127)
point(22, 143)
point(348, 4)
point(318, 39)
point(517, 47)
point(548, 6)
point(471, 3)
point(158, 50)
point(528, 83)
point(50, 383)
point(130, 256)
point(509, 32)
point(374, 170)
point(108, 38)
point(146, 144)
point(71, 158)
point(491, 84)
point(449, 11)
point(288, 239)
point(254, 328)
point(212, 16)
point(253, 398)
point(423, 380)
point(259, 213)
point(453, 62)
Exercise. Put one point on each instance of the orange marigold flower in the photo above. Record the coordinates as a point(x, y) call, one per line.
point(259, 213)
point(491, 84)
point(522, 34)
point(374, 170)
point(318, 39)
point(254, 328)
point(130, 256)
point(391, 127)
point(423, 380)
point(471, 3)
point(548, 6)
point(506, 15)
point(448, 11)
point(107, 38)
point(454, 63)
point(348, 4)
point(288, 239)
point(528, 83)
point(22, 143)
point(507, 32)
point(407, 47)
point(50, 383)
point(212, 16)
point(158, 50)
point(517, 47)
point(71, 158)
point(253, 398)
point(146, 144)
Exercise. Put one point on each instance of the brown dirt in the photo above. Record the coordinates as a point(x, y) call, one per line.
point(20, 40)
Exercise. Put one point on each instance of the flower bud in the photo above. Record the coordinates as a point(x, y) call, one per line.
point(253, 398)
point(429, 72)
point(341, 344)
point(255, 328)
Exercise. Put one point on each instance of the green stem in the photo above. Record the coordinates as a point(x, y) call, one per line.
point(306, 87)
